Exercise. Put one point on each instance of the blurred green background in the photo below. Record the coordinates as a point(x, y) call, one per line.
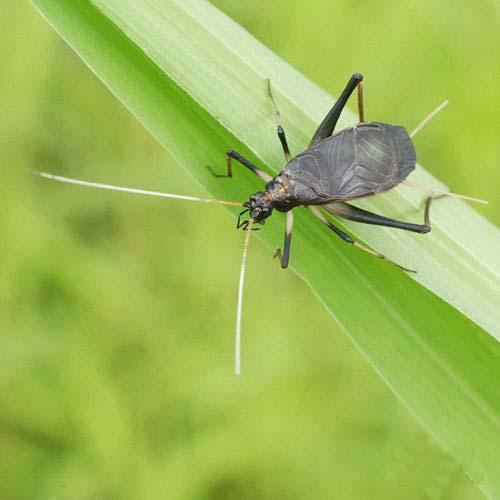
point(117, 312)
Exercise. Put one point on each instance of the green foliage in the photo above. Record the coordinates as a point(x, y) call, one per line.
point(419, 344)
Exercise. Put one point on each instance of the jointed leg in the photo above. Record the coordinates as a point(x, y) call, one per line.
point(348, 239)
point(428, 202)
point(285, 256)
point(328, 124)
point(279, 128)
point(361, 107)
point(230, 155)
point(342, 209)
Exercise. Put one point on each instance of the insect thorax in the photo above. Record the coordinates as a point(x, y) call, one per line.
point(281, 193)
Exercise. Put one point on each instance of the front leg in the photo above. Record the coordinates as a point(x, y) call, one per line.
point(285, 256)
point(230, 155)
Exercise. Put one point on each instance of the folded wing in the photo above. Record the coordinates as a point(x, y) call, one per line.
point(364, 160)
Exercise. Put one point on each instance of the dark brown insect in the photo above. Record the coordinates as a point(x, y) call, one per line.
point(364, 160)
point(357, 162)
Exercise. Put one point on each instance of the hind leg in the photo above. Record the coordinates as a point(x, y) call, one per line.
point(342, 209)
point(344, 236)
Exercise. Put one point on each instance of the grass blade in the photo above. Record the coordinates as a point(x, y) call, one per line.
point(198, 83)
point(458, 263)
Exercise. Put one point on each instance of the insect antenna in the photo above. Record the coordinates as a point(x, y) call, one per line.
point(111, 187)
point(428, 118)
point(237, 365)
point(432, 190)
point(247, 228)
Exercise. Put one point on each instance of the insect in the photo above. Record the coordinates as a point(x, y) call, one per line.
point(364, 160)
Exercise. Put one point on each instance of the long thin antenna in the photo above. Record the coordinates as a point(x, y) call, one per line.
point(419, 127)
point(428, 118)
point(237, 366)
point(444, 193)
point(110, 187)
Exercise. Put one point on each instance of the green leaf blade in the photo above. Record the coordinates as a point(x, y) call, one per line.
point(458, 263)
point(443, 366)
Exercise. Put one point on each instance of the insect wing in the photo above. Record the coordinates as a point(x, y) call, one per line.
point(364, 160)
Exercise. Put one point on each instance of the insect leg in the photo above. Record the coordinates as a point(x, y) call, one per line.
point(356, 214)
point(285, 256)
point(230, 155)
point(279, 128)
point(349, 240)
point(361, 107)
point(328, 124)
